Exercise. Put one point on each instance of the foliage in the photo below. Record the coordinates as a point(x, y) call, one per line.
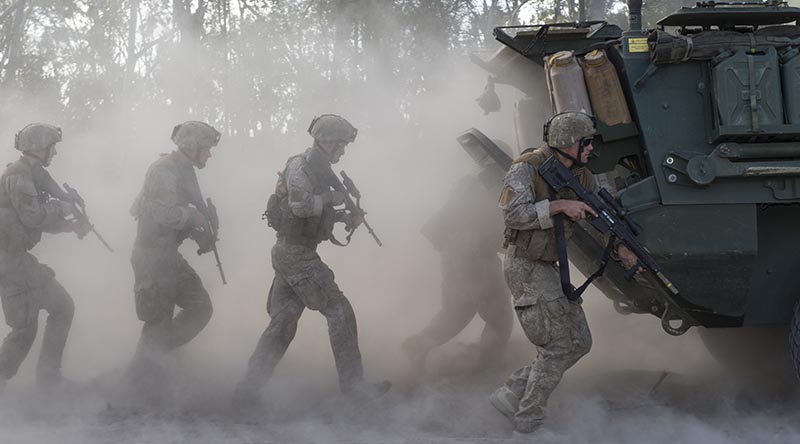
point(249, 63)
point(252, 65)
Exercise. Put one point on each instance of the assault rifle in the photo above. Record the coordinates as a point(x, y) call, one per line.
point(71, 196)
point(208, 237)
point(611, 218)
point(354, 207)
point(79, 208)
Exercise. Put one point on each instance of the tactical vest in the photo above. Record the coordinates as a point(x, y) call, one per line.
point(541, 244)
point(305, 231)
point(149, 233)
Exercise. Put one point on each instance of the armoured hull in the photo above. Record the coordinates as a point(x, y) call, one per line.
point(709, 166)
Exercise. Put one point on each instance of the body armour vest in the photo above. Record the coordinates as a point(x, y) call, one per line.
point(541, 244)
point(305, 231)
point(150, 233)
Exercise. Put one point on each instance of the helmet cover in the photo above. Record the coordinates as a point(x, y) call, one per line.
point(36, 137)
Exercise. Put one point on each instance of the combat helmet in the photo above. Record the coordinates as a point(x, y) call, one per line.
point(566, 128)
point(330, 127)
point(37, 136)
point(192, 135)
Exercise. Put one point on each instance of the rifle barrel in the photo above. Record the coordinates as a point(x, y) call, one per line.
point(105, 244)
point(219, 265)
point(372, 232)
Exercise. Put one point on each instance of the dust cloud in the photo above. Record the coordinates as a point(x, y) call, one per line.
point(617, 394)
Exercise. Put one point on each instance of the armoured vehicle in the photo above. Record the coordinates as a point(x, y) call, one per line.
point(698, 136)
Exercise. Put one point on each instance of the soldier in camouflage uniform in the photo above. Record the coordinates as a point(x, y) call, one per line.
point(302, 211)
point(169, 209)
point(26, 210)
point(465, 232)
point(553, 323)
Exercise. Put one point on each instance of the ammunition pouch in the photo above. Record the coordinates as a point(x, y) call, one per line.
point(305, 231)
point(535, 245)
point(510, 237)
point(273, 213)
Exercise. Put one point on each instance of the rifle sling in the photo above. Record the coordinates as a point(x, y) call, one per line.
point(572, 293)
point(337, 242)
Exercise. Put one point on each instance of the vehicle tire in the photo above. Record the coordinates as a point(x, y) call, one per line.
point(753, 354)
point(794, 339)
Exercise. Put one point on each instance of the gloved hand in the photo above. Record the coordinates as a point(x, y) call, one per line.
point(203, 239)
point(65, 209)
point(81, 228)
point(627, 258)
point(196, 218)
point(352, 221)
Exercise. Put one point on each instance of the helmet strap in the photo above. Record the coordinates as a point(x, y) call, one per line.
point(48, 154)
point(193, 158)
point(575, 162)
point(323, 150)
point(36, 156)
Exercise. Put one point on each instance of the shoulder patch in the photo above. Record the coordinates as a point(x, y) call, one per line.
point(506, 196)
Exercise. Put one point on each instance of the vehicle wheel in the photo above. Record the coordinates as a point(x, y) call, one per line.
point(754, 353)
point(794, 344)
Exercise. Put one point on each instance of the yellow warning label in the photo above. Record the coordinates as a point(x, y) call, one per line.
point(638, 44)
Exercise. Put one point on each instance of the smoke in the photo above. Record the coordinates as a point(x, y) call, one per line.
point(614, 395)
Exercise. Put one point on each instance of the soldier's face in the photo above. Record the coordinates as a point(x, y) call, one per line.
point(334, 148)
point(575, 149)
point(46, 155)
point(587, 149)
point(203, 154)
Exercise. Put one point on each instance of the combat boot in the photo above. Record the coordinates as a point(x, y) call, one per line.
point(539, 436)
point(505, 401)
point(49, 378)
point(365, 394)
point(53, 383)
point(246, 398)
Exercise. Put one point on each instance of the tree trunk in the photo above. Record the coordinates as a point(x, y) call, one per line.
point(130, 64)
point(490, 22)
point(15, 44)
point(190, 29)
point(10, 9)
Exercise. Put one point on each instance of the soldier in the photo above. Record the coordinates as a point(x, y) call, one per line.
point(302, 211)
point(553, 323)
point(27, 208)
point(170, 208)
point(465, 232)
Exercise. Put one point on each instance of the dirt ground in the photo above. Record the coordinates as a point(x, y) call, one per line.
point(590, 406)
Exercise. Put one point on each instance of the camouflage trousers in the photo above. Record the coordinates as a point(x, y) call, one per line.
point(159, 291)
point(25, 288)
point(303, 281)
point(558, 329)
point(468, 291)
